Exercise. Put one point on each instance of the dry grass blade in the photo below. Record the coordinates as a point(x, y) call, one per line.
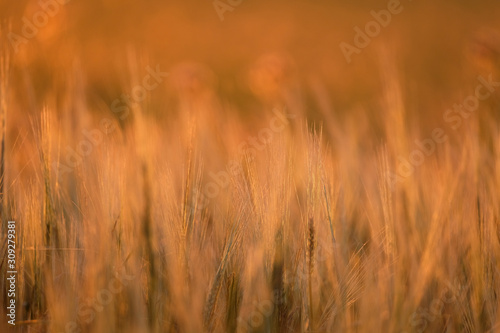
point(211, 302)
point(4, 85)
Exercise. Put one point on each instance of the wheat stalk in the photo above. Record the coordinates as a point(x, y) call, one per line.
point(4, 77)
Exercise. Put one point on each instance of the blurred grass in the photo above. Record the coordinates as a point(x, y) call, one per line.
point(311, 216)
point(428, 38)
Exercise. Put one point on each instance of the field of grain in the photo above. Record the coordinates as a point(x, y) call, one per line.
point(250, 166)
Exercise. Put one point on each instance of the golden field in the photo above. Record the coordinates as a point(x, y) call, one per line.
point(250, 166)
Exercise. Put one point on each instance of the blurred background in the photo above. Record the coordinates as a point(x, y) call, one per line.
point(428, 41)
point(229, 63)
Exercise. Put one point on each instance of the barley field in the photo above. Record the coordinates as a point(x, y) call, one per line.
point(249, 166)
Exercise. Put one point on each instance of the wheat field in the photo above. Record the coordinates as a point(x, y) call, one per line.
point(240, 166)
